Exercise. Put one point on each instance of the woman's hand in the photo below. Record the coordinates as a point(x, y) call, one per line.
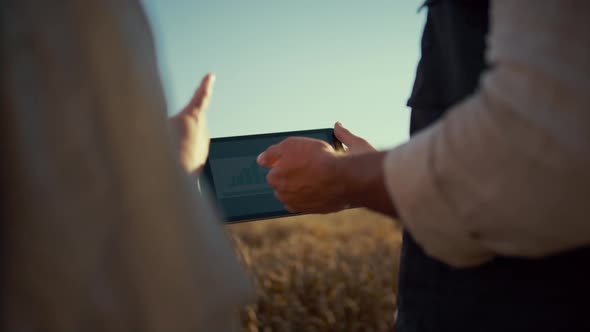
point(191, 128)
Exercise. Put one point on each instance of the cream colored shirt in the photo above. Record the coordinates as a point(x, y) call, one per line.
point(103, 231)
point(507, 170)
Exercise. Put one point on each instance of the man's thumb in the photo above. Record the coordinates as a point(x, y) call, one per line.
point(349, 139)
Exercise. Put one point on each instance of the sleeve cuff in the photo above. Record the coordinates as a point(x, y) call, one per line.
point(411, 182)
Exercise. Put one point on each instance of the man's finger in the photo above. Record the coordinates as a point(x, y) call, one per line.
point(290, 209)
point(345, 136)
point(276, 179)
point(200, 100)
point(354, 143)
point(270, 157)
point(278, 196)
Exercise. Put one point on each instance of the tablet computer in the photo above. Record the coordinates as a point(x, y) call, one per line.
point(238, 183)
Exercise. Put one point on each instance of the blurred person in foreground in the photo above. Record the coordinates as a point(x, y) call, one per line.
point(102, 227)
point(493, 188)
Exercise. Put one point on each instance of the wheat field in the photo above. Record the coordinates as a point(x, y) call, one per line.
point(335, 272)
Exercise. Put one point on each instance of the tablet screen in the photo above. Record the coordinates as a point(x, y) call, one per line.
point(237, 181)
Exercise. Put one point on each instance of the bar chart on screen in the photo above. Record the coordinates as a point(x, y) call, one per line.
point(240, 176)
point(252, 175)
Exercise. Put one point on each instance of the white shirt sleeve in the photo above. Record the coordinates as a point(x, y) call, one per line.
point(507, 171)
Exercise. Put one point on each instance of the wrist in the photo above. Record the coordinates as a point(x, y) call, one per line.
point(364, 182)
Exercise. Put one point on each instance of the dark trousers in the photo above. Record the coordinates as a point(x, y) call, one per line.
point(507, 294)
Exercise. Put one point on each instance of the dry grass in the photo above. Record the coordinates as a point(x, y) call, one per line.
point(321, 273)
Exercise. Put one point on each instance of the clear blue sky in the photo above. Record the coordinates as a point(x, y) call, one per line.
point(293, 65)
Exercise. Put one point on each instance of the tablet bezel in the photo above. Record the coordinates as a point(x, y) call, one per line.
point(206, 177)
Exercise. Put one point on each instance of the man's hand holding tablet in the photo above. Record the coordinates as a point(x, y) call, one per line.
point(308, 176)
point(240, 185)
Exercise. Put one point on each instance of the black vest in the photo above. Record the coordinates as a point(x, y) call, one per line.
point(506, 294)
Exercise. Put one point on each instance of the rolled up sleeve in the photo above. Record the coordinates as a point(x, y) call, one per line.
point(506, 171)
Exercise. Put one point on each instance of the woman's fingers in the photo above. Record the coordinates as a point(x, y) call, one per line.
point(200, 100)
